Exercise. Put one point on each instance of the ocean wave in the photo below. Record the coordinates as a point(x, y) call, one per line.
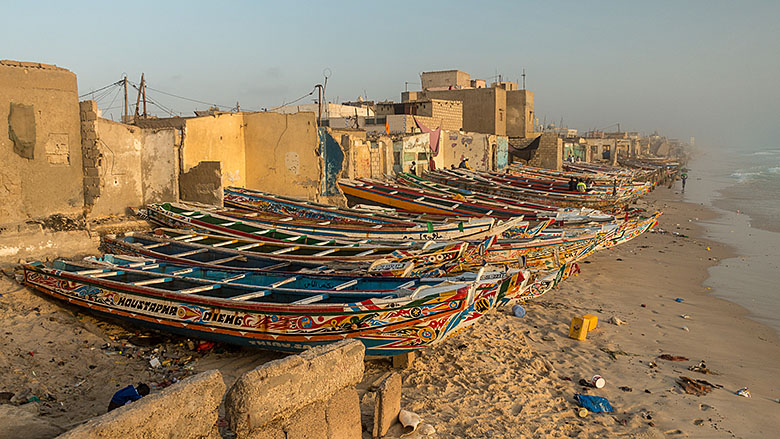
point(775, 170)
point(743, 176)
point(767, 152)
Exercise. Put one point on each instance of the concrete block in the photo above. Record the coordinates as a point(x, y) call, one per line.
point(273, 431)
point(387, 404)
point(91, 181)
point(308, 423)
point(89, 116)
point(187, 409)
point(91, 171)
point(403, 361)
point(283, 386)
point(89, 105)
point(343, 415)
point(18, 422)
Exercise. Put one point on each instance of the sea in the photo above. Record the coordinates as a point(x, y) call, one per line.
point(742, 185)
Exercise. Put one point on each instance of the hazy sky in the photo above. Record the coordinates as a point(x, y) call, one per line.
point(709, 69)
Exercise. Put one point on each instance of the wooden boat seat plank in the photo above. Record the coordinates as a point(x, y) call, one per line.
point(252, 295)
point(248, 246)
point(156, 280)
point(346, 284)
point(200, 289)
point(225, 242)
point(190, 253)
point(309, 300)
point(156, 245)
point(228, 259)
point(284, 282)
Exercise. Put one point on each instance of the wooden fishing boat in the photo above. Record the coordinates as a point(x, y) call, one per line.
point(261, 201)
point(629, 230)
point(137, 243)
point(492, 185)
point(543, 284)
point(293, 283)
point(541, 254)
point(182, 216)
point(387, 324)
point(562, 216)
point(312, 283)
point(283, 250)
point(377, 232)
point(217, 252)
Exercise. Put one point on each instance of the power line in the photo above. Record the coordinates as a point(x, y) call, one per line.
point(290, 103)
point(101, 89)
point(188, 99)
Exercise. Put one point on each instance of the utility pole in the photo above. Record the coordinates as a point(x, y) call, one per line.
point(523, 79)
point(143, 87)
point(138, 99)
point(319, 103)
point(238, 109)
point(124, 119)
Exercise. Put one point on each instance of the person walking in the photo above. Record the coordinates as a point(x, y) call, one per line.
point(683, 177)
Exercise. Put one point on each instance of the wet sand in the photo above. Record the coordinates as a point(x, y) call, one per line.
point(506, 377)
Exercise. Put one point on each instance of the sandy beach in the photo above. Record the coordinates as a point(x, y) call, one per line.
point(507, 377)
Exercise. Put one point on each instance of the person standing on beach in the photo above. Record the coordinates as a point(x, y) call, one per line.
point(581, 186)
point(572, 184)
point(128, 394)
point(683, 177)
point(413, 168)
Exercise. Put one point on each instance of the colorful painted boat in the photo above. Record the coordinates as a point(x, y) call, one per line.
point(262, 201)
point(283, 250)
point(386, 324)
point(218, 252)
point(182, 216)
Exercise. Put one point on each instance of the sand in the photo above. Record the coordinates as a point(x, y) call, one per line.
point(506, 377)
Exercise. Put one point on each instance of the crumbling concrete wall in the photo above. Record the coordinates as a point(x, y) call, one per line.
point(282, 154)
point(40, 142)
point(187, 410)
point(271, 152)
point(126, 166)
point(308, 395)
point(357, 152)
point(543, 151)
point(408, 149)
point(202, 184)
point(217, 138)
point(480, 149)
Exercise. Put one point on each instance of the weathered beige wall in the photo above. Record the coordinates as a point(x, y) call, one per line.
point(217, 138)
point(484, 109)
point(415, 148)
point(357, 153)
point(445, 79)
point(51, 181)
point(519, 113)
point(477, 147)
point(136, 166)
point(270, 152)
point(282, 154)
point(549, 155)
